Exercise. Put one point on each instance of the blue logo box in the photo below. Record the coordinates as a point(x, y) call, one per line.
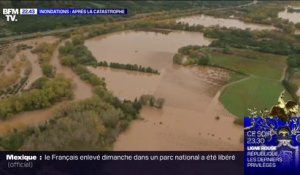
point(271, 146)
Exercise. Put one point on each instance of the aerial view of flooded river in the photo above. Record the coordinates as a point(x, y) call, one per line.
point(187, 121)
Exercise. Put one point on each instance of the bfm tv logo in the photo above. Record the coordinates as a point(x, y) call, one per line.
point(10, 14)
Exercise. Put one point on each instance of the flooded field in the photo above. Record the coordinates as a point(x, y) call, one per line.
point(33, 58)
point(291, 16)
point(208, 21)
point(188, 119)
point(143, 48)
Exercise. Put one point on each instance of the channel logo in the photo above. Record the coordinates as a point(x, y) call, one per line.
point(10, 14)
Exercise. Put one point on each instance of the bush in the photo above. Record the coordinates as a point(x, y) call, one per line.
point(159, 102)
point(192, 54)
point(48, 70)
point(150, 100)
point(68, 60)
point(238, 121)
point(178, 58)
point(74, 53)
point(39, 83)
point(203, 60)
point(91, 124)
point(294, 61)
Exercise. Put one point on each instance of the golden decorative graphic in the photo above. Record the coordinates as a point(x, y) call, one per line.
point(283, 110)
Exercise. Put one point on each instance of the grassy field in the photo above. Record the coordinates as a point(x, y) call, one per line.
point(261, 64)
point(253, 92)
point(263, 85)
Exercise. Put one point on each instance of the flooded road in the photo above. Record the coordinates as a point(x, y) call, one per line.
point(209, 21)
point(187, 121)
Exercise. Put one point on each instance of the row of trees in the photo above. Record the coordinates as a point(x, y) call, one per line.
point(49, 92)
point(132, 67)
point(86, 75)
point(271, 42)
point(294, 61)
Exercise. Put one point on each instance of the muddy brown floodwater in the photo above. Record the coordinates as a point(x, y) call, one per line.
point(208, 21)
point(33, 58)
point(188, 119)
point(293, 17)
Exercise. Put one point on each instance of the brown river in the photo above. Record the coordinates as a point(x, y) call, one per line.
point(187, 121)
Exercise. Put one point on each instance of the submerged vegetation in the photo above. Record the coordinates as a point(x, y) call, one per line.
point(261, 72)
point(14, 79)
point(87, 76)
point(44, 52)
point(150, 100)
point(91, 124)
point(131, 67)
point(74, 53)
point(48, 93)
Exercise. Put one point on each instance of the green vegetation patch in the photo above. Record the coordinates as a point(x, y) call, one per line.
point(74, 52)
point(259, 66)
point(262, 86)
point(189, 55)
point(50, 92)
point(255, 92)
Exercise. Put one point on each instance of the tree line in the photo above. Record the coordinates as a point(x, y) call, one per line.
point(76, 55)
point(131, 67)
